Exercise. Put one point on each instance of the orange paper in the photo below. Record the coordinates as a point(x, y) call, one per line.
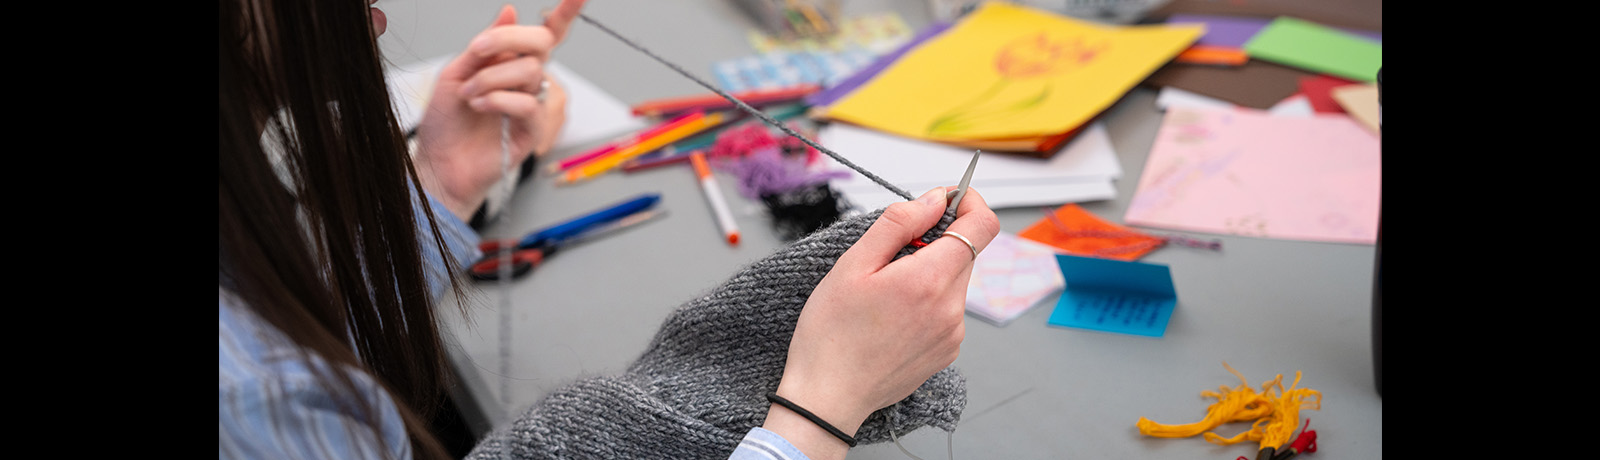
point(1077, 232)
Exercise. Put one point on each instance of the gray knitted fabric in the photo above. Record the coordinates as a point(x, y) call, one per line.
point(702, 383)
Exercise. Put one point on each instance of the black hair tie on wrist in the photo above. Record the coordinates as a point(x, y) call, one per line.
point(773, 396)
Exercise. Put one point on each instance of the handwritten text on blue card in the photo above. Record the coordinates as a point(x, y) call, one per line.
point(1115, 296)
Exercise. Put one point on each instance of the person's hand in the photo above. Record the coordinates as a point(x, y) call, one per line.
point(498, 75)
point(875, 330)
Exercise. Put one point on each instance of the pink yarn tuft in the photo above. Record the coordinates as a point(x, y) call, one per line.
point(739, 141)
point(767, 164)
point(743, 140)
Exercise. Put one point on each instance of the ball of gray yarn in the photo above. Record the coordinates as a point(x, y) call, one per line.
point(702, 382)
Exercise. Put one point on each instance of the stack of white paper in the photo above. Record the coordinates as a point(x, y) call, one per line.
point(1083, 171)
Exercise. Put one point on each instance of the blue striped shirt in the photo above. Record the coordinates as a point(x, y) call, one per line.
point(270, 406)
point(760, 444)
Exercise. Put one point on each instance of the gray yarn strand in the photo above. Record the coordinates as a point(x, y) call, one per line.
point(750, 110)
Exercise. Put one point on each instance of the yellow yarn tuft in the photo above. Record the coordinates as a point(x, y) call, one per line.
point(1233, 405)
point(1276, 412)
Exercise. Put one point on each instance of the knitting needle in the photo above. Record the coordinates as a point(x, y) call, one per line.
point(955, 196)
point(961, 190)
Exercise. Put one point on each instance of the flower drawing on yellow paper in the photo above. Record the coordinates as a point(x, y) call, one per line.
point(1026, 67)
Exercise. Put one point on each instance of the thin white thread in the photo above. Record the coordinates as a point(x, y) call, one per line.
point(505, 278)
point(894, 411)
point(950, 443)
point(902, 447)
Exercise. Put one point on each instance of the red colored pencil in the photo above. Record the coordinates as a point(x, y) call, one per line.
point(635, 165)
point(715, 102)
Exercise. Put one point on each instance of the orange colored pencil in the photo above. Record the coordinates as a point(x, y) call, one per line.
point(600, 165)
point(575, 160)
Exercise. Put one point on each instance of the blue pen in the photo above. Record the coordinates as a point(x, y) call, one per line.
point(582, 224)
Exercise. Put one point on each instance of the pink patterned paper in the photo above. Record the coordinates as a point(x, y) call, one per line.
point(1250, 173)
point(1011, 276)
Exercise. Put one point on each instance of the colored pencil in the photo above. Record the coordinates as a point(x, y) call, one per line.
point(614, 159)
point(581, 224)
point(661, 107)
point(575, 160)
point(642, 164)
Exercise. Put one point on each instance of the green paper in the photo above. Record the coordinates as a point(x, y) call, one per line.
point(1318, 48)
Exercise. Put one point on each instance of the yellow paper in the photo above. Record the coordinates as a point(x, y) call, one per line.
point(1011, 72)
point(1361, 101)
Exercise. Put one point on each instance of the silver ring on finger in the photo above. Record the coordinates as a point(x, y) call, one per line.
point(963, 240)
point(544, 91)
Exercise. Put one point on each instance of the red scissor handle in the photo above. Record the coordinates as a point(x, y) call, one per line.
point(522, 262)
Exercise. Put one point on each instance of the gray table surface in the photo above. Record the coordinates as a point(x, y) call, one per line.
point(1264, 306)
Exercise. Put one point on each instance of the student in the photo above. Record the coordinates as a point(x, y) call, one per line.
point(334, 240)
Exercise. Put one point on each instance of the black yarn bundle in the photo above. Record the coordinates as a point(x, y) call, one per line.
point(797, 213)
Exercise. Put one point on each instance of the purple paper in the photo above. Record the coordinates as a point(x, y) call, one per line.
point(1235, 31)
point(844, 87)
point(1228, 31)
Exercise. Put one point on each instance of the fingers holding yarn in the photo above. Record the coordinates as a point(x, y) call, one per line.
point(523, 74)
point(900, 222)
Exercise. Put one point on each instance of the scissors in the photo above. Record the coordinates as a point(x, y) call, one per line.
point(524, 259)
point(529, 251)
point(954, 197)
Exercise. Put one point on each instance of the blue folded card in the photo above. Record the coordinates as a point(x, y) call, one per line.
point(1115, 296)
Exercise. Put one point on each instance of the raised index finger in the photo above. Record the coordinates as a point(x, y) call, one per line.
point(560, 20)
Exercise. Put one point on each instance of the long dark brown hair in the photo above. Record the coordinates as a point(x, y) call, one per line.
point(326, 248)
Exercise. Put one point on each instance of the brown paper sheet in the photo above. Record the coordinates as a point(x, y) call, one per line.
point(1257, 84)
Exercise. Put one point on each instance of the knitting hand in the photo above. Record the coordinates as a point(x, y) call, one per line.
point(876, 328)
point(499, 76)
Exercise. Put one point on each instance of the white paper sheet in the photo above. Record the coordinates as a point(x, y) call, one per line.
point(1293, 106)
point(1174, 97)
point(1016, 196)
point(1082, 171)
